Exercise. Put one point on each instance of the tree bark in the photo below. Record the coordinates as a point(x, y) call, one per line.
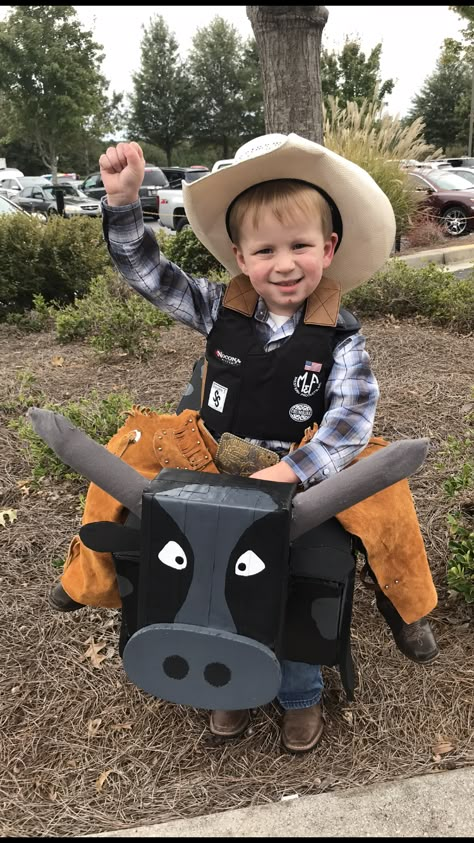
point(289, 45)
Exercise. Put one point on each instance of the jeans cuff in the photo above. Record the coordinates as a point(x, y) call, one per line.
point(288, 704)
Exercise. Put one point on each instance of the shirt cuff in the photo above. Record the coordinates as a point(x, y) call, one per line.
point(311, 463)
point(123, 223)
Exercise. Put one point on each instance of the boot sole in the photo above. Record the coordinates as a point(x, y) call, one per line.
point(72, 606)
point(299, 750)
point(430, 660)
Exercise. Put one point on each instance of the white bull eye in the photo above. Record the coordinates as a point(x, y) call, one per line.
point(173, 555)
point(248, 564)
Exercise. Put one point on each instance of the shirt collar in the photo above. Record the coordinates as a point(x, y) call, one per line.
point(262, 315)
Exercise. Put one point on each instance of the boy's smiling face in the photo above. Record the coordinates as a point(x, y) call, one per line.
point(284, 261)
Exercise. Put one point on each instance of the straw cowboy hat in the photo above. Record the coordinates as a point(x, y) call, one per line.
point(368, 221)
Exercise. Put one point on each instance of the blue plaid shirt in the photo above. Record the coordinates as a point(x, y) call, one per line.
point(351, 390)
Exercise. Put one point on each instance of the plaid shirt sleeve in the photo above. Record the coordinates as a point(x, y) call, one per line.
point(136, 255)
point(351, 398)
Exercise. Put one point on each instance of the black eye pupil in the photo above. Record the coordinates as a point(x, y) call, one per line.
point(179, 560)
point(241, 566)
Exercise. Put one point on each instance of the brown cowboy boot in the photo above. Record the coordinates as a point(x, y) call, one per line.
point(415, 640)
point(302, 728)
point(229, 724)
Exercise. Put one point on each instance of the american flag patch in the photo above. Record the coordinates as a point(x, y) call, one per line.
point(309, 366)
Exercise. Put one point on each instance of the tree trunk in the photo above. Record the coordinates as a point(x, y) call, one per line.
point(289, 45)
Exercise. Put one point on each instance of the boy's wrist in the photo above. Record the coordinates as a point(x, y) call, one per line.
point(116, 200)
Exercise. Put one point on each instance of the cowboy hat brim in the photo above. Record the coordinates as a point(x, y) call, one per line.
point(367, 215)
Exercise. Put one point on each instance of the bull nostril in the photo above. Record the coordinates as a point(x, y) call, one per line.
point(217, 674)
point(175, 667)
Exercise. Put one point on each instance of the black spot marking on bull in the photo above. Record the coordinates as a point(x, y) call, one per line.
point(168, 569)
point(256, 573)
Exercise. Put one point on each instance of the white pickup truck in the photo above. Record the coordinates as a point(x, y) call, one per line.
point(170, 199)
point(171, 208)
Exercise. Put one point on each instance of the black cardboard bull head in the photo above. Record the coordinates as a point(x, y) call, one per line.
point(209, 577)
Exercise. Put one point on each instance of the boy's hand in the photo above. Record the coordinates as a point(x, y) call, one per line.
point(279, 473)
point(122, 169)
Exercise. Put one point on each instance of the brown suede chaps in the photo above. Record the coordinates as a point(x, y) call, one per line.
point(386, 522)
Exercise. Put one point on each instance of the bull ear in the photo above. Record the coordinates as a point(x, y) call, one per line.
point(107, 537)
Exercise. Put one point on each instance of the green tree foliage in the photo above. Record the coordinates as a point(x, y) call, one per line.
point(351, 76)
point(160, 110)
point(466, 12)
point(228, 106)
point(444, 100)
point(50, 78)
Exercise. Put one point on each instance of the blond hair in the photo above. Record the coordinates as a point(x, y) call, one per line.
point(284, 198)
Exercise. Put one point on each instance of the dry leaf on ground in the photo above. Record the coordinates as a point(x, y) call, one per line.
point(442, 746)
point(102, 779)
point(93, 652)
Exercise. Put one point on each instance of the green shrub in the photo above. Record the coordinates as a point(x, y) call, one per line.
point(460, 574)
point(29, 394)
point(98, 417)
point(402, 291)
point(56, 260)
point(73, 252)
point(457, 465)
point(112, 316)
point(39, 318)
point(187, 252)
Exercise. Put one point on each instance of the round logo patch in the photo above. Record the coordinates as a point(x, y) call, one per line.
point(306, 384)
point(300, 412)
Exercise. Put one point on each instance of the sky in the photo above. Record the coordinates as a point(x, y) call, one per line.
point(411, 37)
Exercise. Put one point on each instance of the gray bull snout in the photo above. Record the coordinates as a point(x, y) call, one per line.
point(205, 668)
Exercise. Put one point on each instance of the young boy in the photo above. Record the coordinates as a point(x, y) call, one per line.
point(295, 225)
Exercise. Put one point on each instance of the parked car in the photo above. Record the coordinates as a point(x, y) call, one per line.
point(39, 199)
point(9, 207)
point(176, 175)
point(7, 172)
point(10, 186)
point(153, 179)
point(170, 200)
point(63, 178)
point(449, 195)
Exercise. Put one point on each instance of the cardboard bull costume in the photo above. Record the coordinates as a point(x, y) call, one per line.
point(215, 582)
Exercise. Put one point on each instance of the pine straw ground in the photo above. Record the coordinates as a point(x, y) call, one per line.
point(83, 750)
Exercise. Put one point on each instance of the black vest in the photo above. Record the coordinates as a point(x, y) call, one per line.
point(267, 394)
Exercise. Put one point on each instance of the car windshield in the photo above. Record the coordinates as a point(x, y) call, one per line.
point(67, 189)
point(449, 181)
point(469, 175)
point(156, 177)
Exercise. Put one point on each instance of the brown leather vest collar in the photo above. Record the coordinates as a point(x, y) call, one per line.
point(322, 306)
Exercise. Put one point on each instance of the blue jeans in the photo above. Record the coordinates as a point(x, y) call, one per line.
point(301, 685)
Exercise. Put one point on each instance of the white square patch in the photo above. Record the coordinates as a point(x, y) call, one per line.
point(217, 397)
